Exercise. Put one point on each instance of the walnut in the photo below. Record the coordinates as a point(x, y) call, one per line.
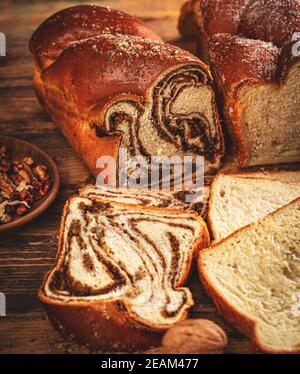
point(41, 172)
point(3, 151)
point(193, 336)
point(24, 176)
point(20, 181)
point(17, 165)
point(5, 185)
point(28, 160)
point(6, 218)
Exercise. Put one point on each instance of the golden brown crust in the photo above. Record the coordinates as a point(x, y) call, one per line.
point(260, 30)
point(57, 32)
point(267, 173)
point(238, 320)
point(186, 19)
point(76, 126)
point(205, 18)
point(79, 119)
point(256, 30)
point(109, 324)
point(211, 196)
point(237, 60)
point(131, 62)
point(103, 326)
point(221, 16)
point(270, 20)
point(80, 74)
point(243, 41)
point(267, 20)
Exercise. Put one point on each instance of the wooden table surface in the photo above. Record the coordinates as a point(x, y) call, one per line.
point(27, 254)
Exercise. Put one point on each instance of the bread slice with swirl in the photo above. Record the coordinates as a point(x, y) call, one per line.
point(109, 82)
point(118, 279)
point(154, 198)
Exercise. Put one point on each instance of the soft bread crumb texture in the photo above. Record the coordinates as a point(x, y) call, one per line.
point(115, 252)
point(249, 45)
point(236, 202)
point(272, 136)
point(256, 273)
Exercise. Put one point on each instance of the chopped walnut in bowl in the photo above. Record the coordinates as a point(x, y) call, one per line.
point(22, 183)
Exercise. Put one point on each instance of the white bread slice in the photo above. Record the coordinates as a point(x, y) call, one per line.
point(123, 267)
point(253, 277)
point(236, 202)
point(286, 176)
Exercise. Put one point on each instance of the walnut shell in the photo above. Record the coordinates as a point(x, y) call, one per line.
point(194, 336)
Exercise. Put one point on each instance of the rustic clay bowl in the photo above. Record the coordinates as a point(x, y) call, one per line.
point(19, 149)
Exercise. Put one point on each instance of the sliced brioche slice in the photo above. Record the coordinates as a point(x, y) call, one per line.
point(253, 277)
point(153, 198)
point(236, 202)
point(118, 280)
point(285, 176)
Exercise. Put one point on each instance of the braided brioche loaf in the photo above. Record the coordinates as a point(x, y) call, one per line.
point(108, 81)
point(120, 270)
point(249, 46)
